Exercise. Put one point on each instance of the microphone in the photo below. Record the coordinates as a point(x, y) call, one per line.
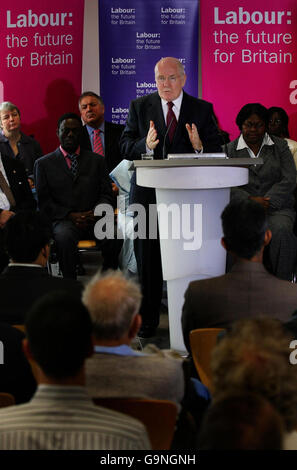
point(166, 134)
point(221, 134)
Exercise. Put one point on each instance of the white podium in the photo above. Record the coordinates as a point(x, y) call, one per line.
point(191, 195)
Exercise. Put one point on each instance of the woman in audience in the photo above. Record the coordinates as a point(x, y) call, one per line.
point(278, 122)
point(271, 184)
point(256, 356)
point(13, 142)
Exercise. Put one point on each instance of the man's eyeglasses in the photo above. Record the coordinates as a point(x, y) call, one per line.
point(171, 78)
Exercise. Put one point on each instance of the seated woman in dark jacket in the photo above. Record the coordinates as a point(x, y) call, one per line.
point(271, 184)
point(13, 142)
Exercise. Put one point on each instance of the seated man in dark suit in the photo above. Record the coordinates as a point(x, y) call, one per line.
point(26, 279)
point(15, 194)
point(70, 183)
point(248, 290)
point(98, 135)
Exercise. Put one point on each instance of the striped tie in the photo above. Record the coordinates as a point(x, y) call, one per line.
point(98, 145)
point(74, 164)
point(171, 121)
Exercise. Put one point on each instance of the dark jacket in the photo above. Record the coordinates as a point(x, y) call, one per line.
point(29, 151)
point(59, 193)
point(21, 286)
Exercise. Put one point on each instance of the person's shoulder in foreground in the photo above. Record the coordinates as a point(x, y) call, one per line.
point(64, 418)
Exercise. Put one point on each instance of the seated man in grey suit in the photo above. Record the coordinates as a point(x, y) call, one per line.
point(26, 278)
point(70, 183)
point(116, 369)
point(61, 415)
point(248, 290)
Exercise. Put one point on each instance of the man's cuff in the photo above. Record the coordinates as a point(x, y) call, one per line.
point(148, 151)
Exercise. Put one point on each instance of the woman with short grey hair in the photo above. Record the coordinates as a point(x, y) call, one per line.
point(15, 143)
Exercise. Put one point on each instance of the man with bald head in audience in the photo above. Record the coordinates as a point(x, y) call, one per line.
point(117, 370)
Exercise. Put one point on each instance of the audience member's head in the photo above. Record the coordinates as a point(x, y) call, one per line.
point(59, 333)
point(92, 109)
point(113, 302)
point(241, 421)
point(245, 228)
point(249, 110)
point(69, 128)
point(254, 357)
point(278, 122)
point(27, 238)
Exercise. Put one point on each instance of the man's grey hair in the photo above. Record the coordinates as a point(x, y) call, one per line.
point(112, 301)
point(8, 106)
point(90, 93)
point(180, 66)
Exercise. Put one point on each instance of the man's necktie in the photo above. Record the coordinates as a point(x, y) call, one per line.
point(97, 143)
point(7, 191)
point(74, 164)
point(171, 121)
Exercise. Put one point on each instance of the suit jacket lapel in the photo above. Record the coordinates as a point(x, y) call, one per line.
point(243, 153)
point(8, 169)
point(156, 112)
point(182, 120)
point(265, 155)
point(62, 164)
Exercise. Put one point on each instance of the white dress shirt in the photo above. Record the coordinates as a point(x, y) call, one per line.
point(243, 145)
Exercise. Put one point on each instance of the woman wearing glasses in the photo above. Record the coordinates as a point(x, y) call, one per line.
point(278, 122)
point(271, 184)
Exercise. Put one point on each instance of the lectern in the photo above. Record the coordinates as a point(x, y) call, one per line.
point(191, 194)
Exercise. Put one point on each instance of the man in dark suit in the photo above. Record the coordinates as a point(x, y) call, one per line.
point(70, 183)
point(15, 194)
point(92, 109)
point(26, 278)
point(169, 121)
point(248, 290)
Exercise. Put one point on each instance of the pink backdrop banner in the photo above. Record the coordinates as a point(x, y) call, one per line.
point(248, 54)
point(41, 62)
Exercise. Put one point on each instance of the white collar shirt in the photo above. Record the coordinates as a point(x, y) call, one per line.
point(243, 145)
point(176, 106)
